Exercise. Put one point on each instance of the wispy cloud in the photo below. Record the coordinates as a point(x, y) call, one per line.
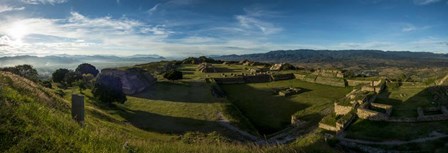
point(425, 2)
point(411, 27)
point(153, 9)
point(7, 8)
point(52, 2)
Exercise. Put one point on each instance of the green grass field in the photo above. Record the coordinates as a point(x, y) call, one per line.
point(270, 113)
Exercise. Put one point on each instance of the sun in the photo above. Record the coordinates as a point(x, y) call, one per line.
point(18, 31)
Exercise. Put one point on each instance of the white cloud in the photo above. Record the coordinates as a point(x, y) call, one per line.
point(425, 2)
point(52, 2)
point(6, 8)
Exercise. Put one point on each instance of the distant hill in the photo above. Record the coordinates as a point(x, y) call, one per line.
point(347, 58)
point(46, 64)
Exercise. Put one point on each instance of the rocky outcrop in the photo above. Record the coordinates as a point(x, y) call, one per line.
point(133, 80)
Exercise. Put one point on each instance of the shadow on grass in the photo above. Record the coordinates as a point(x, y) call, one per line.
point(158, 123)
point(187, 92)
point(267, 112)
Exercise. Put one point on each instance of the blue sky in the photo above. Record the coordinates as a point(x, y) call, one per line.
point(216, 27)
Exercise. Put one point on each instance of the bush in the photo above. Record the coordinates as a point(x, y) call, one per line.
point(26, 71)
point(173, 75)
point(108, 89)
point(87, 68)
point(59, 74)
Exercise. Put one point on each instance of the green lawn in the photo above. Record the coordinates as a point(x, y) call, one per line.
point(406, 100)
point(270, 113)
point(380, 131)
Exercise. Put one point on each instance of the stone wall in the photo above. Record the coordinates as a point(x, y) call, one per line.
point(257, 78)
point(327, 127)
point(232, 80)
point(388, 108)
point(331, 81)
point(342, 110)
point(357, 82)
point(278, 77)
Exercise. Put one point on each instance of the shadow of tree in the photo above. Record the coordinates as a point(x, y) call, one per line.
point(190, 92)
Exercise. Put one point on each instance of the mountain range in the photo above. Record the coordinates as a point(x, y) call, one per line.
point(347, 58)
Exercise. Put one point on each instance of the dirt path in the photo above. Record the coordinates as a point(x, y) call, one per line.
point(226, 123)
point(433, 136)
point(443, 80)
point(283, 137)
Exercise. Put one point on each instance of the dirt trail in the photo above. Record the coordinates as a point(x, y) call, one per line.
point(443, 80)
point(283, 137)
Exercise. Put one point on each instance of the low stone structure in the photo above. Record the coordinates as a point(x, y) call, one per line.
point(133, 80)
point(374, 86)
point(282, 66)
point(341, 109)
point(325, 77)
point(206, 68)
point(288, 91)
point(327, 127)
point(368, 112)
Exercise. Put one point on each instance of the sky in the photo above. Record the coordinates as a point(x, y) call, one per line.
point(176, 28)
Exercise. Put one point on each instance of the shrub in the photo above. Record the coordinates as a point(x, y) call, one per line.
point(108, 89)
point(173, 75)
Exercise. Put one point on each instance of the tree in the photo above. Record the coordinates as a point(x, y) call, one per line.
point(59, 75)
point(26, 71)
point(72, 77)
point(173, 75)
point(108, 89)
point(86, 68)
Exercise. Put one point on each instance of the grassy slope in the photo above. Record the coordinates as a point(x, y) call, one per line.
point(31, 123)
point(270, 113)
point(379, 131)
point(33, 119)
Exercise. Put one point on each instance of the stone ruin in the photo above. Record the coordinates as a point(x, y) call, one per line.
point(374, 111)
point(133, 80)
point(326, 77)
point(330, 73)
point(375, 86)
point(282, 66)
point(206, 68)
